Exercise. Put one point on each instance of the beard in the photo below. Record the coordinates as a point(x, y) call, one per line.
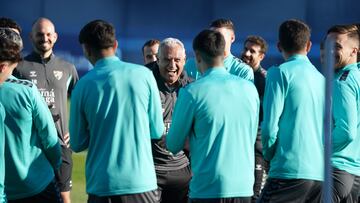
point(248, 60)
point(43, 46)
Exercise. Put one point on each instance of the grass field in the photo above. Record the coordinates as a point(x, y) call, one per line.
point(78, 194)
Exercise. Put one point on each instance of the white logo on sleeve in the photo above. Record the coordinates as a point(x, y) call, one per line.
point(32, 74)
point(58, 74)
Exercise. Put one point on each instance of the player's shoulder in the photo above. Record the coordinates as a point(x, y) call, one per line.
point(21, 83)
point(349, 74)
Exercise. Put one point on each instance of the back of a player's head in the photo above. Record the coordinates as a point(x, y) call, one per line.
point(9, 23)
point(150, 43)
point(258, 41)
point(351, 31)
point(10, 45)
point(210, 44)
point(293, 35)
point(223, 23)
point(98, 34)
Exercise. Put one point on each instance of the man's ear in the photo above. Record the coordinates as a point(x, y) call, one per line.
point(55, 37)
point(2, 67)
point(232, 37)
point(308, 46)
point(197, 57)
point(262, 56)
point(279, 47)
point(116, 44)
point(86, 50)
point(355, 51)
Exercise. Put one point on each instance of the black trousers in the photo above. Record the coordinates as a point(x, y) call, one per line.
point(63, 175)
point(260, 170)
point(291, 190)
point(346, 187)
point(50, 194)
point(174, 185)
point(146, 197)
point(223, 200)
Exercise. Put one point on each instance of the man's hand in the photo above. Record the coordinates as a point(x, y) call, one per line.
point(67, 140)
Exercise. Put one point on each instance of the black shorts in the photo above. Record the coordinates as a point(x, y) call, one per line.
point(346, 186)
point(223, 200)
point(50, 194)
point(291, 190)
point(145, 197)
point(63, 175)
point(174, 185)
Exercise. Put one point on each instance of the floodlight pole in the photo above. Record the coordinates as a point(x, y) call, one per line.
point(329, 75)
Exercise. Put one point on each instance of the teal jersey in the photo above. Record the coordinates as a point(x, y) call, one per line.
point(32, 151)
point(115, 111)
point(219, 113)
point(346, 117)
point(2, 151)
point(292, 128)
point(233, 65)
point(358, 64)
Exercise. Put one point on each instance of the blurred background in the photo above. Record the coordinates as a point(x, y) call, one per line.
point(137, 21)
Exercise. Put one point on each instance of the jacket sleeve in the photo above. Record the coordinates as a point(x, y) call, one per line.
point(182, 122)
point(273, 105)
point(155, 110)
point(344, 115)
point(45, 128)
point(246, 72)
point(79, 132)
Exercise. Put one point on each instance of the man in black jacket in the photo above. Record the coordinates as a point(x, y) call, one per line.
point(55, 79)
point(253, 53)
point(172, 170)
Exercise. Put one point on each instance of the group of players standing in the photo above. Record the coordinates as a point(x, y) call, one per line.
point(180, 130)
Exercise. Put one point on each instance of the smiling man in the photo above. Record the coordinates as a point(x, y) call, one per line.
point(55, 79)
point(172, 170)
point(346, 104)
point(253, 53)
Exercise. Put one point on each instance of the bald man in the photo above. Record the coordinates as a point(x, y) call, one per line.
point(55, 79)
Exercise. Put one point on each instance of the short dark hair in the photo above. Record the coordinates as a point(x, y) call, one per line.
point(223, 23)
point(98, 34)
point(258, 41)
point(293, 35)
point(10, 23)
point(210, 44)
point(150, 43)
point(10, 45)
point(352, 31)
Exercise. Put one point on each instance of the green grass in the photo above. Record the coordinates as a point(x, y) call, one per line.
point(78, 194)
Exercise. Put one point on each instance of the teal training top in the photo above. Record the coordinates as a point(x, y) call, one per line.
point(292, 128)
point(346, 117)
point(232, 64)
point(115, 111)
point(2, 151)
point(219, 113)
point(32, 149)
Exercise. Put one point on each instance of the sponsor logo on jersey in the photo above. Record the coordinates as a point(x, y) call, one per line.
point(49, 96)
point(58, 74)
